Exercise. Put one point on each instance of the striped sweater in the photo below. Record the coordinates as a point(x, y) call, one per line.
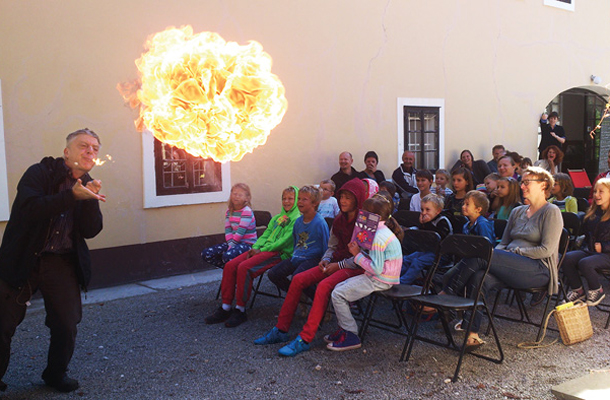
point(385, 257)
point(240, 227)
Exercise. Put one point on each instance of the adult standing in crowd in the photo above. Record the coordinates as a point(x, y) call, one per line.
point(550, 159)
point(346, 171)
point(605, 174)
point(497, 151)
point(552, 134)
point(55, 210)
point(370, 171)
point(478, 168)
point(404, 175)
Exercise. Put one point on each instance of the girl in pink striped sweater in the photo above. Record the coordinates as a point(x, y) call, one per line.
point(240, 228)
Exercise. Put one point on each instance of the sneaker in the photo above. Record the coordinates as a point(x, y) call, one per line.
point(295, 347)
point(273, 336)
point(347, 341)
point(334, 336)
point(237, 318)
point(594, 297)
point(575, 295)
point(219, 316)
point(537, 298)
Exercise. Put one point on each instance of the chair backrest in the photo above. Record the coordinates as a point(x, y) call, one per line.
point(499, 227)
point(571, 222)
point(579, 178)
point(421, 240)
point(329, 222)
point(406, 218)
point(262, 218)
point(583, 204)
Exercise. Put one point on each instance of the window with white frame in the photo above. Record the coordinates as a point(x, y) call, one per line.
point(173, 177)
point(421, 131)
point(563, 4)
point(4, 207)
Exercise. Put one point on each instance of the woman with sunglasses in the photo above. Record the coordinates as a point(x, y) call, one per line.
point(527, 255)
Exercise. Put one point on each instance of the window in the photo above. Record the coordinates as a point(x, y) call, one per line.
point(420, 130)
point(4, 208)
point(172, 177)
point(563, 4)
point(177, 172)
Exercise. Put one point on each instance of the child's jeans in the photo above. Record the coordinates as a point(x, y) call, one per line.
point(350, 290)
point(220, 254)
point(326, 284)
point(413, 265)
point(240, 272)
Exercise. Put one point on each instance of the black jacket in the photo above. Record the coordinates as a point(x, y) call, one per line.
point(36, 203)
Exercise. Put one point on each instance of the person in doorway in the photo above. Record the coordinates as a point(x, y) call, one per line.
point(552, 134)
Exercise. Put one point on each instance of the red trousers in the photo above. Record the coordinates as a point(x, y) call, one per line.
point(326, 284)
point(240, 272)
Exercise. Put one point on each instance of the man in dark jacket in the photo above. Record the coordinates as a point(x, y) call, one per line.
point(55, 210)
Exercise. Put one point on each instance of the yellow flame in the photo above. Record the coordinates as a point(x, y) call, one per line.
point(99, 162)
point(212, 98)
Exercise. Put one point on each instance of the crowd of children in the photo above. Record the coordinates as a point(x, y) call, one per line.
point(309, 250)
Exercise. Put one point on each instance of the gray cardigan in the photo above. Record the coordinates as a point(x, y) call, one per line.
point(536, 237)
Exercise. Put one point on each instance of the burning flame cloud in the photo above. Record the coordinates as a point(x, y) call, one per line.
point(212, 98)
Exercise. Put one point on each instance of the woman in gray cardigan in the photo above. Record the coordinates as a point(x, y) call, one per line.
point(527, 255)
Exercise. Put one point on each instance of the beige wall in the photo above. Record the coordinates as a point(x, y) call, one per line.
point(343, 64)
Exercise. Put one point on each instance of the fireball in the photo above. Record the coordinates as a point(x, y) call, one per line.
point(212, 98)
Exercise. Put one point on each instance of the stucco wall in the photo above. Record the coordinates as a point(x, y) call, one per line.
point(343, 64)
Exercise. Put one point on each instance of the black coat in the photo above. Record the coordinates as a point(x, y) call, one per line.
point(38, 200)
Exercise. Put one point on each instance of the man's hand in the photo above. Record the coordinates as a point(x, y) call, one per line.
point(81, 192)
point(95, 186)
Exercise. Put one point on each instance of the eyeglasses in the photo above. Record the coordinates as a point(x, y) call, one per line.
point(526, 182)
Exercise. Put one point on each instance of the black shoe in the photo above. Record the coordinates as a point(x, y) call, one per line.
point(237, 318)
point(219, 316)
point(64, 384)
point(537, 298)
point(2, 386)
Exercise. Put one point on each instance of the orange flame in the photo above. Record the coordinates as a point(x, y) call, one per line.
point(212, 98)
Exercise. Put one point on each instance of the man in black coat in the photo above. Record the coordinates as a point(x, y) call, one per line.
point(43, 247)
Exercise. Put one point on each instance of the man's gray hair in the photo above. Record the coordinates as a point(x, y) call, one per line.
point(84, 131)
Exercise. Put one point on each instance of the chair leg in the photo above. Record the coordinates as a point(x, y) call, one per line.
point(368, 314)
point(493, 310)
point(258, 285)
point(544, 314)
point(408, 347)
point(218, 293)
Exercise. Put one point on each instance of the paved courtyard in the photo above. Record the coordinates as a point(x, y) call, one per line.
point(148, 341)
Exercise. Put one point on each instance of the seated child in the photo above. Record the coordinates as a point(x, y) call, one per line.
point(474, 208)
point(328, 208)
point(310, 236)
point(336, 266)
point(273, 246)
point(507, 198)
point(562, 192)
point(240, 228)
point(370, 187)
point(430, 219)
point(390, 187)
point(441, 180)
point(491, 184)
point(381, 270)
point(462, 184)
point(423, 179)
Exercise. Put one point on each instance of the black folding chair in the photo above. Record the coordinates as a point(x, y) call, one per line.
point(583, 204)
point(524, 315)
point(462, 246)
point(397, 294)
point(499, 227)
point(604, 307)
point(571, 222)
point(406, 218)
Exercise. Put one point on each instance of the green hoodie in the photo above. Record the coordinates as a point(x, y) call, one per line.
point(278, 235)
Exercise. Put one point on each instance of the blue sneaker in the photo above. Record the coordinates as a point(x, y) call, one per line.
point(273, 336)
point(293, 348)
point(347, 341)
point(334, 336)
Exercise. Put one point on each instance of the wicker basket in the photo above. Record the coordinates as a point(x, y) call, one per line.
point(574, 324)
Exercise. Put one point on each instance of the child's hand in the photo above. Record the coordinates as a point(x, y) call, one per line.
point(322, 265)
point(331, 269)
point(353, 248)
point(598, 247)
point(423, 218)
point(253, 252)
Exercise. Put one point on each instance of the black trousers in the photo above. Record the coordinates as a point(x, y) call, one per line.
point(56, 279)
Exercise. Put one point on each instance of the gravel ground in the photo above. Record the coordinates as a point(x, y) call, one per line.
point(156, 346)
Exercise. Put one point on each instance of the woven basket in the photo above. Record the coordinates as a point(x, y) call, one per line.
point(574, 324)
